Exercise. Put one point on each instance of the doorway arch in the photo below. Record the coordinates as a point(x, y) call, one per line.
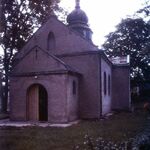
point(37, 103)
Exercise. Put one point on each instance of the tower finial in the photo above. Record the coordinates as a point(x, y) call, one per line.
point(77, 4)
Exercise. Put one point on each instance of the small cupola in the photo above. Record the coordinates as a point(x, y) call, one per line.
point(78, 21)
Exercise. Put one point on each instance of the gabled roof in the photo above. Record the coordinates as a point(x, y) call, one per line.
point(41, 34)
point(63, 69)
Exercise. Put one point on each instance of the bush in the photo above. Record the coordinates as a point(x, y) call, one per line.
point(140, 143)
point(101, 144)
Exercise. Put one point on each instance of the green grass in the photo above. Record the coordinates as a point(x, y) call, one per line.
point(119, 127)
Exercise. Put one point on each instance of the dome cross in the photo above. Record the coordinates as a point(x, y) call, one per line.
point(77, 4)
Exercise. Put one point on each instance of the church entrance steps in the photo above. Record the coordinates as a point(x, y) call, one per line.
point(8, 123)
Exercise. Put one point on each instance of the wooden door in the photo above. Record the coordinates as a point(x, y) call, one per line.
point(32, 103)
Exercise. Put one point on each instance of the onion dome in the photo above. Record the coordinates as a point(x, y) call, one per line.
point(77, 16)
point(78, 20)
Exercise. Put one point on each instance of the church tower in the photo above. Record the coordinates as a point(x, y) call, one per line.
point(78, 20)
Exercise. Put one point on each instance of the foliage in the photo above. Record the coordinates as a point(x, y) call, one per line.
point(145, 11)
point(101, 144)
point(140, 143)
point(18, 21)
point(131, 38)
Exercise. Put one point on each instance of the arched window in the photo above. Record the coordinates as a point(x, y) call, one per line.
point(105, 83)
point(74, 88)
point(51, 41)
point(109, 84)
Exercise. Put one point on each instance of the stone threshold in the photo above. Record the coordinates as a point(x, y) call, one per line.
point(8, 123)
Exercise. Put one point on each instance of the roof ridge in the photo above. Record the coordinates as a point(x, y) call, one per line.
point(58, 59)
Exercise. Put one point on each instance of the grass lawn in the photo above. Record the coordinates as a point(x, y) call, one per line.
point(117, 128)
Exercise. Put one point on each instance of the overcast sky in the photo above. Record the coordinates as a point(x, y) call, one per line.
point(104, 15)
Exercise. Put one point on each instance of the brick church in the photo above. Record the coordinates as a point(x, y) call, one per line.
point(60, 76)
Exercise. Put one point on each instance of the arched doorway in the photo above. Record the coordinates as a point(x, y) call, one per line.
point(37, 103)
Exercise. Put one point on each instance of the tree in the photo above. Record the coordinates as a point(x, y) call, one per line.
point(18, 21)
point(145, 11)
point(132, 37)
